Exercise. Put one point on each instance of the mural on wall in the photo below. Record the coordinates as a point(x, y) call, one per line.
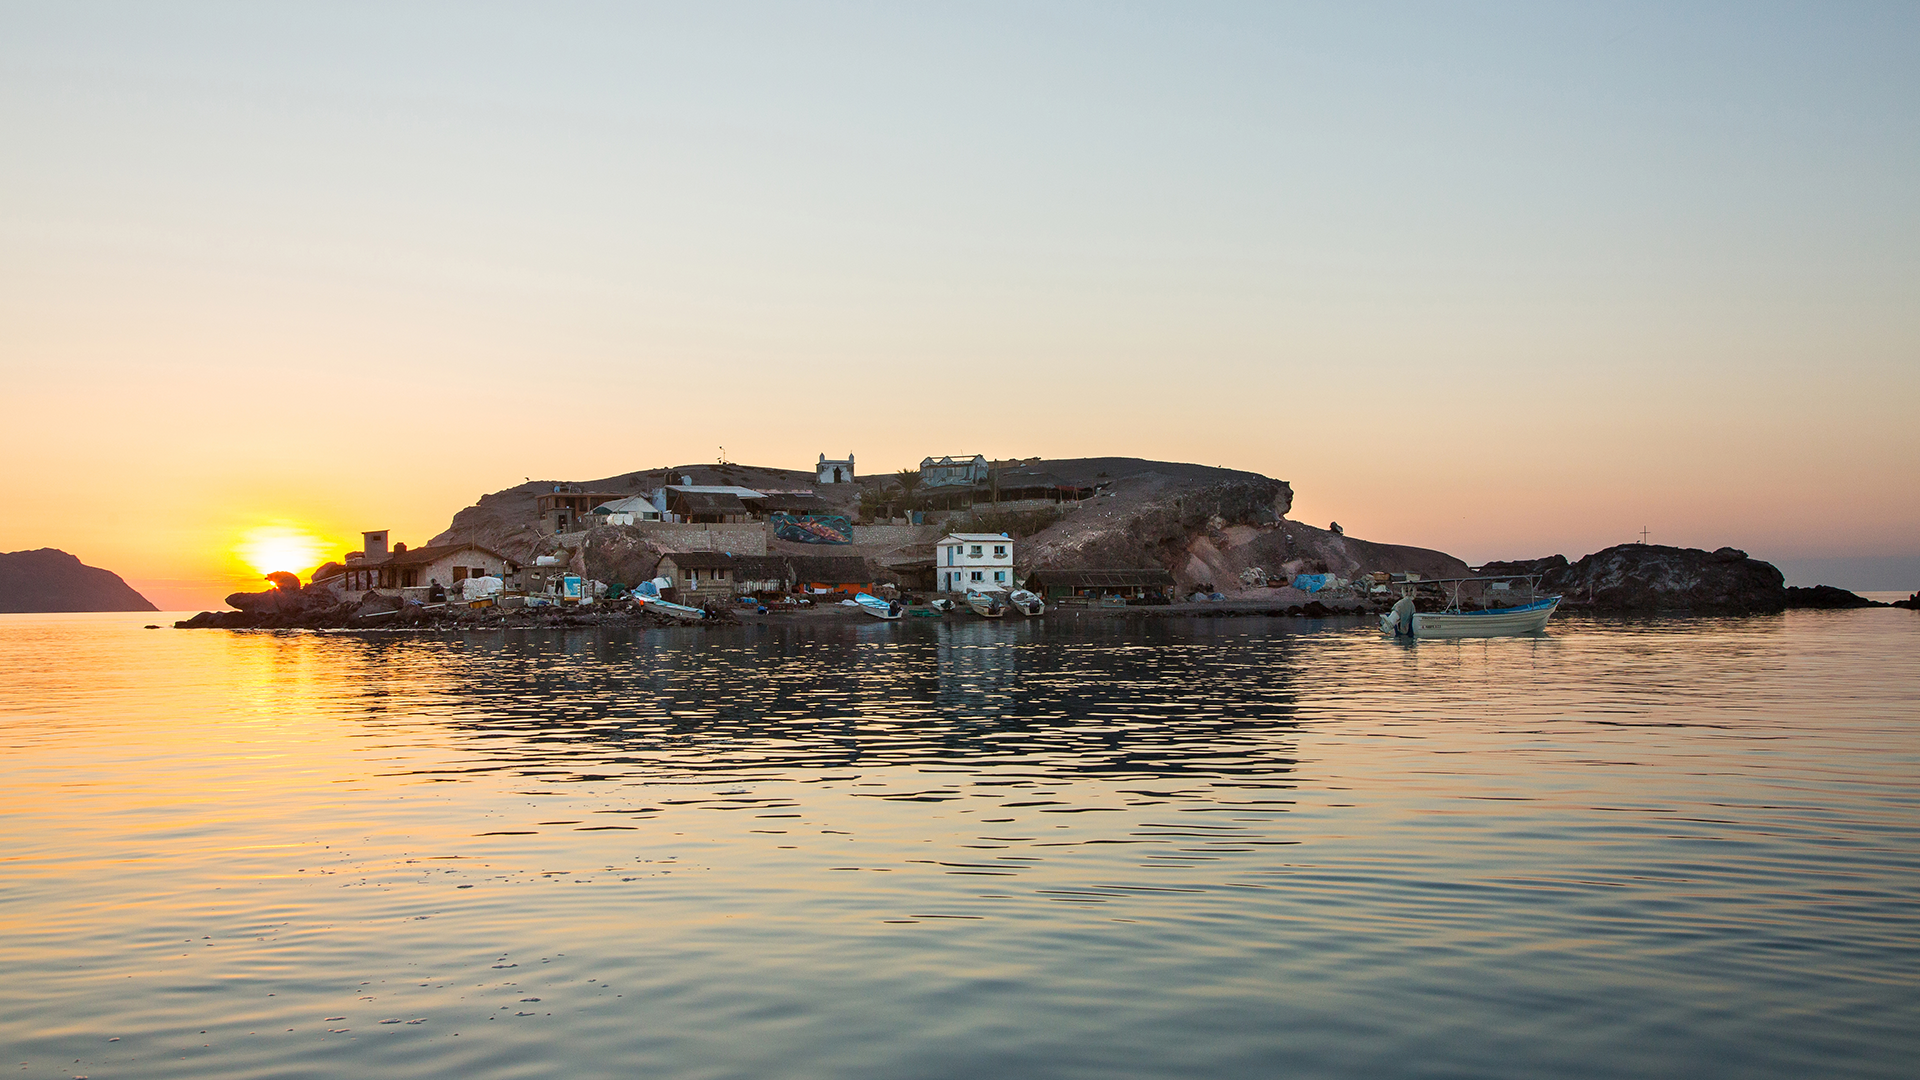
point(812, 528)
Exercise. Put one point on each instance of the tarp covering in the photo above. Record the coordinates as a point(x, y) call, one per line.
point(479, 588)
point(1311, 582)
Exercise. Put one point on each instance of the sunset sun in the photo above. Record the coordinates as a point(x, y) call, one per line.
point(269, 548)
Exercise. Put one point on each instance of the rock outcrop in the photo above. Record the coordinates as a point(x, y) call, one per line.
point(508, 521)
point(1213, 528)
point(1552, 564)
point(287, 604)
point(48, 579)
point(1653, 577)
point(1827, 596)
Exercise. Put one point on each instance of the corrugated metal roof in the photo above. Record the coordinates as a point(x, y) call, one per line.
point(699, 560)
point(637, 503)
point(425, 555)
point(840, 569)
point(1094, 579)
point(707, 502)
point(715, 489)
point(761, 567)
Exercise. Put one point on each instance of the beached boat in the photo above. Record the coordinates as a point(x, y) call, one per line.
point(1527, 618)
point(987, 605)
point(653, 605)
point(1027, 603)
point(878, 608)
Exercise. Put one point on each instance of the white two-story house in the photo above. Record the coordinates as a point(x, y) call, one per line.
point(965, 561)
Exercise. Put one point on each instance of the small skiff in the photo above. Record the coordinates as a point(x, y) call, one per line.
point(987, 605)
point(1027, 603)
point(1497, 622)
point(665, 609)
point(878, 608)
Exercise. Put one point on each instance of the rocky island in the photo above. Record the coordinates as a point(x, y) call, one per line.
point(1188, 539)
point(48, 580)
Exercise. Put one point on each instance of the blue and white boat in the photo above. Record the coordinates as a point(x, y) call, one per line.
point(878, 608)
point(1527, 618)
point(647, 595)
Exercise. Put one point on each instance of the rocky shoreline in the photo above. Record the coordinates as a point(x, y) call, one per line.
point(304, 611)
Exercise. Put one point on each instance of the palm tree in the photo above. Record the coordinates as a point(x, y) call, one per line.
point(909, 481)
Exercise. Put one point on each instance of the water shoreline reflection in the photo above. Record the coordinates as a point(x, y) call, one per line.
point(1231, 847)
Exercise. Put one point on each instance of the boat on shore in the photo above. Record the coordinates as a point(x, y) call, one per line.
point(666, 609)
point(1027, 603)
point(1455, 622)
point(647, 596)
point(987, 605)
point(878, 608)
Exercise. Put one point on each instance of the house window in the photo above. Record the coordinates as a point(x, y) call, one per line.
point(977, 576)
point(999, 551)
point(999, 575)
point(693, 577)
point(976, 551)
point(460, 573)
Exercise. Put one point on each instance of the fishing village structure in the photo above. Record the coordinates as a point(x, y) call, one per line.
point(1022, 535)
point(1080, 533)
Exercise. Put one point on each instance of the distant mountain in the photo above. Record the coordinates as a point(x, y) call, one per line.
point(52, 580)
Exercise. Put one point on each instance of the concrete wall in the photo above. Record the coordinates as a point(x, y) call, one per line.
point(892, 535)
point(746, 539)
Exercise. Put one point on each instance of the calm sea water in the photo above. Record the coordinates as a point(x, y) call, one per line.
point(1217, 848)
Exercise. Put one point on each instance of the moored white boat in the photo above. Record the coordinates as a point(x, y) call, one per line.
point(1027, 603)
point(878, 608)
point(987, 605)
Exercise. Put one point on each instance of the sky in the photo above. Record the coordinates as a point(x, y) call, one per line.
point(1503, 280)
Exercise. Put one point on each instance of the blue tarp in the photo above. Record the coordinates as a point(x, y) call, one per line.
point(1311, 582)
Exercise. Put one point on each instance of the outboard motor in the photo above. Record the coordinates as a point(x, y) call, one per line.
point(1402, 616)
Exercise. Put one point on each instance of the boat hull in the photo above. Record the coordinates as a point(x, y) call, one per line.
point(878, 608)
point(1028, 604)
point(985, 606)
point(1503, 622)
point(671, 611)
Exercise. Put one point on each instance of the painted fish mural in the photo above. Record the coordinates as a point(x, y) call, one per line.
point(812, 528)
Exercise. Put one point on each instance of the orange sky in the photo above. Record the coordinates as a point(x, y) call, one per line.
point(1499, 284)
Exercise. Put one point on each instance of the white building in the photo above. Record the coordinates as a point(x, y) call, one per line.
point(950, 471)
point(965, 561)
point(836, 472)
point(626, 511)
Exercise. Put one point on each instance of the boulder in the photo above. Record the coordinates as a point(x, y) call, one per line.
point(372, 605)
point(1653, 577)
point(279, 601)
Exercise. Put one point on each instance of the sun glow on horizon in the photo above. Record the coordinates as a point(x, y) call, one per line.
point(269, 548)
